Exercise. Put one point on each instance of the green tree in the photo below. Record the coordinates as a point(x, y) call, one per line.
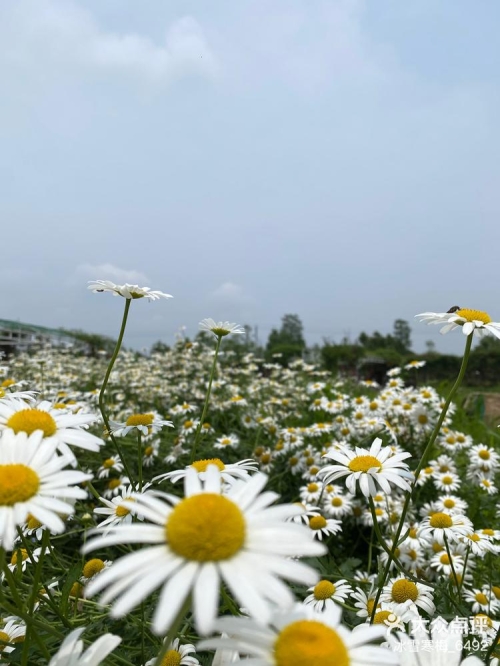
point(402, 335)
point(287, 342)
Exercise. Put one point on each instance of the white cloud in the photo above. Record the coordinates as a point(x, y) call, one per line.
point(59, 36)
point(229, 293)
point(113, 273)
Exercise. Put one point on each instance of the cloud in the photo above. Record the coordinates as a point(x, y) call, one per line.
point(112, 272)
point(55, 36)
point(228, 293)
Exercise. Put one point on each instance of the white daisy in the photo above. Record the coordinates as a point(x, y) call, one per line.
point(470, 321)
point(13, 631)
point(438, 525)
point(64, 427)
point(70, 652)
point(229, 472)
point(302, 636)
point(177, 655)
point(33, 481)
point(115, 510)
point(325, 594)
point(376, 466)
point(403, 593)
point(129, 291)
point(201, 539)
point(146, 424)
point(220, 328)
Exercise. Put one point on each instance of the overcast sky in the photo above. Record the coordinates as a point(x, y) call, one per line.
point(337, 159)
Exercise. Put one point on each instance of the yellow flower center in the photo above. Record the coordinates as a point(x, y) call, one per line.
point(172, 658)
point(18, 483)
point(31, 419)
point(474, 315)
point(364, 463)
point(139, 419)
point(33, 523)
point(403, 589)
point(114, 483)
point(206, 528)
point(324, 590)
point(122, 511)
point(148, 451)
point(307, 642)
point(381, 616)
point(481, 598)
point(8, 382)
point(474, 537)
point(92, 567)
point(496, 591)
point(369, 606)
point(76, 590)
point(15, 555)
point(317, 522)
point(188, 424)
point(201, 465)
point(412, 533)
point(4, 638)
point(312, 487)
point(109, 462)
point(441, 520)
point(449, 503)
point(484, 454)
point(488, 531)
point(447, 480)
point(337, 501)
point(444, 559)
point(423, 419)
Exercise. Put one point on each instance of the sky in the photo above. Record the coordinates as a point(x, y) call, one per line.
point(337, 159)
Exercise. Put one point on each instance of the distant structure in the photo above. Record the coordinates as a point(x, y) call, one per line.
point(17, 337)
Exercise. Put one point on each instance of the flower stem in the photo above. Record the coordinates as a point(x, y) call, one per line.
point(174, 627)
point(207, 399)
point(423, 461)
point(111, 363)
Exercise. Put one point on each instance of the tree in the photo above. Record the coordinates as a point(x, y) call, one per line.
point(287, 342)
point(402, 335)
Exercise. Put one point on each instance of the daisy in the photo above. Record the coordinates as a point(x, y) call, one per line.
point(325, 593)
point(376, 466)
point(12, 632)
point(115, 510)
point(302, 636)
point(64, 427)
point(220, 328)
point(482, 601)
point(129, 291)
point(177, 655)
point(470, 321)
point(112, 463)
point(400, 591)
point(70, 652)
point(33, 481)
point(200, 539)
point(227, 441)
point(337, 505)
point(229, 472)
point(322, 526)
point(440, 524)
point(146, 424)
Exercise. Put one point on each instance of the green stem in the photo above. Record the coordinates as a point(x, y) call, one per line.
point(111, 363)
point(455, 578)
point(423, 461)
point(207, 399)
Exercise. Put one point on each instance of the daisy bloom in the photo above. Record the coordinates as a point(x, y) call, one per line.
point(70, 652)
point(220, 328)
point(229, 472)
point(378, 466)
point(115, 510)
point(64, 427)
point(13, 631)
point(177, 655)
point(302, 637)
point(402, 592)
point(470, 321)
point(200, 539)
point(326, 593)
point(146, 424)
point(440, 524)
point(113, 463)
point(482, 601)
point(227, 441)
point(323, 527)
point(33, 481)
point(129, 291)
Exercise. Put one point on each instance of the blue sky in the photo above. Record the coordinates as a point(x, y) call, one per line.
point(336, 159)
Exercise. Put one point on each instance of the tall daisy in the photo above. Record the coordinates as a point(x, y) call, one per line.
point(202, 539)
point(129, 291)
point(302, 637)
point(471, 321)
point(33, 481)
